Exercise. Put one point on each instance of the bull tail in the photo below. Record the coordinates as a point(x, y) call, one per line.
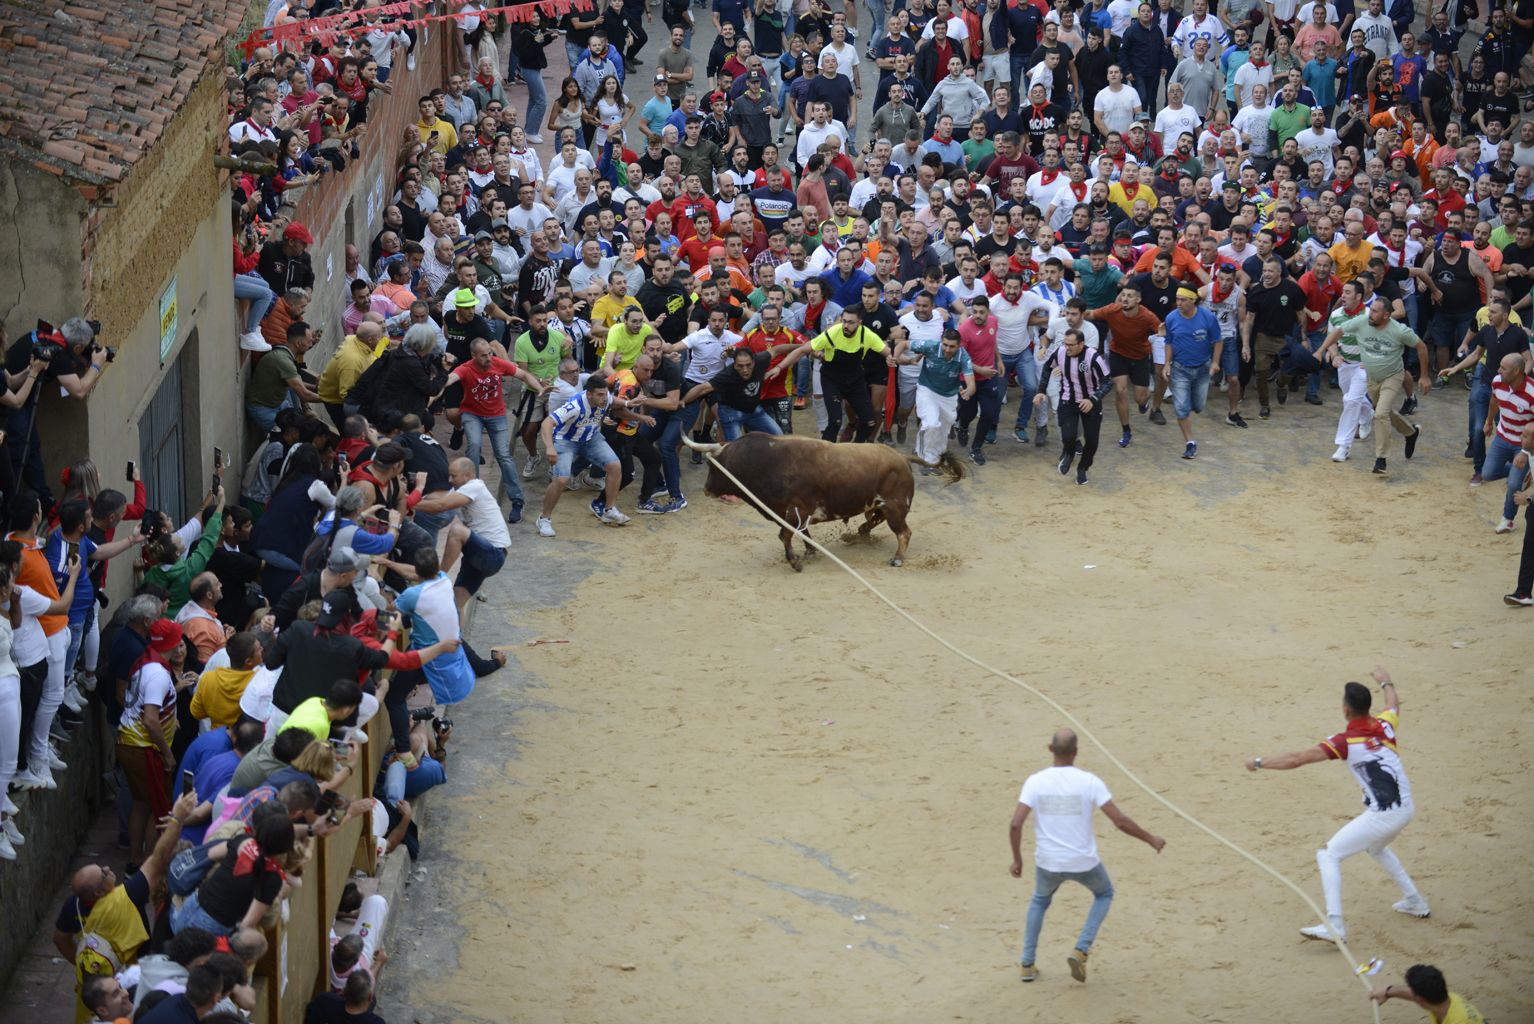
point(947, 466)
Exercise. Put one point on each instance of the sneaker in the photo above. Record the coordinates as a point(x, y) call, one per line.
point(697, 458)
point(1475, 479)
point(576, 482)
point(1158, 417)
point(886, 439)
point(1126, 439)
point(410, 62)
point(598, 507)
point(536, 140)
point(963, 436)
point(613, 517)
point(1143, 407)
point(1412, 906)
point(1040, 436)
point(1409, 406)
point(594, 479)
point(1224, 385)
point(1411, 441)
point(73, 699)
point(990, 436)
point(1078, 964)
point(977, 456)
point(252, 341)
point(1504, 525)
point(1332, 931)
point(1263, 412)
point(1379, 467)
point(1021, 433)
point(1234, 420)
point(1366, 428)
point(7, 852)
point(650, 508)
point(900, 434)
point(1081, 475)
point(1341, 454)
point(676, 504)
point(1190, 450)
point(32, 780)
point(8, 827)
point(1065, 462)
point(1312, 399)
point(1283, 393)
point(545, 527)
point(9, 806)
point(56, 762)
point(530, 467)
point(455, 439)
point(1518, 600)
point(801, 402)
point(1027, 972)
point(515, 515)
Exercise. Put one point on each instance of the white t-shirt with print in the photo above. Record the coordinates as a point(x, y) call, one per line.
point(1063, 800)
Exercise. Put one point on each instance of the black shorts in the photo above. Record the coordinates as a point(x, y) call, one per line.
point(875, 370)
point(1137, 370)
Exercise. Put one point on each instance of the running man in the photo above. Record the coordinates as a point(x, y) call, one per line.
point(1368, 745)
point(1381, 341)
point(1065, 846)
point(1193, 340)
point(1084, 381)
point(1357, 418)
point(1227, 301)
point(1130, 326)
point(947, 374)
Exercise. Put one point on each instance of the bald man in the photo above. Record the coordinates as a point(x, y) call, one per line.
point(1065, 847)
point(478, 535)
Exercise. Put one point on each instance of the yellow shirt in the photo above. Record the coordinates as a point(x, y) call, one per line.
point(218, 693)
point(447, 135)
point(312, 717)
point(835, 341)
point(344, 368)
point(1461, 1012)
point(1350, 262)
point(1118, 196)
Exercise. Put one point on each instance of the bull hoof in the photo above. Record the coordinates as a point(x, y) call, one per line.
point(897, 562)
point(797, 563)
point(810, 552)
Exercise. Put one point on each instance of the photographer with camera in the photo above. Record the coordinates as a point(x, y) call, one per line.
point(67, 356)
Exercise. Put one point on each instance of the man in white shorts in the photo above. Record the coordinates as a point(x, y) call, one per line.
point(1062, 798)
point(1368, 745)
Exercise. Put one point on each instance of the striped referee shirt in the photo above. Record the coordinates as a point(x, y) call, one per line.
point(1081, 376)
point(578, 420)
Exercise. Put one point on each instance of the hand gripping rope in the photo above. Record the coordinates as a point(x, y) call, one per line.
point(1080, 727)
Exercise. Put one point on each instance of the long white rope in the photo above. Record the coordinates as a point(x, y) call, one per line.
point(1080, 727)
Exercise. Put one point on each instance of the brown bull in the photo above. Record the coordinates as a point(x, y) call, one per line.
point(806, 481)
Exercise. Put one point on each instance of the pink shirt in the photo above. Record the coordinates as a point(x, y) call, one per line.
point(979, 341)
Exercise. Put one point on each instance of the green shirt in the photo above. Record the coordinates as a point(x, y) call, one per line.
point(1289, 123)
point(628, 346)
point(1098, 288)
point(542, 364)
point(976, 153)
point(834, 342)
point(311, 717)
point(1347, 345)
point(1380, 348)
point(268, 385)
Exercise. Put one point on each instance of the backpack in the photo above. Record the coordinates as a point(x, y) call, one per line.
point(189, 867)
point(364, 389)
point(317, 554)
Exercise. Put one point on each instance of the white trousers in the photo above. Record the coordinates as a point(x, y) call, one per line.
point(1355, 402)
point(10, 728)
point(936, 414)
point(1371, 832)
point(48, 706)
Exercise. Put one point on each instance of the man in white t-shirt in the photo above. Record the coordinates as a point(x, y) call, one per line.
point(1062, 798)
point(1175, 118)
point(479, 535)
point(1318, 142)
point(1116, 107)
point(1252, 121)
point(1256, 71)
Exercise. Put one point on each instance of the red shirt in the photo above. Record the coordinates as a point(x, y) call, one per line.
point(694, 251)
point(1319, 298)
point(979, 341)
point(1448, 202)
point(684, 208)
point(760, 341)
point(482, 392)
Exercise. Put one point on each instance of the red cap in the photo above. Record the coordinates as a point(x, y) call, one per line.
point(296, 232)
point(1400, 153)
point(164, 635)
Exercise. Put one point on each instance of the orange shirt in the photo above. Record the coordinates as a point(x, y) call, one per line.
point(1131, 335)
point(1185, 265)
point(36, 574)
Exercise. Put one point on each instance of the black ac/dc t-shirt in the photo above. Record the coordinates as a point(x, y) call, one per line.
point(742, 393)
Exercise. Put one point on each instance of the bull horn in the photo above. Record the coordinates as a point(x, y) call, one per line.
point(706, 449)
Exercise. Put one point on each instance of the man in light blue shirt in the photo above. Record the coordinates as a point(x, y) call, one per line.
point(946, 374)
point(1193, 341)
point(653, 115)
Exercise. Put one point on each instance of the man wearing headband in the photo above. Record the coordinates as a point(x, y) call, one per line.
point(1193, 341)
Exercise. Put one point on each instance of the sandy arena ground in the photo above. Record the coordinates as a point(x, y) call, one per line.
point(744, 794)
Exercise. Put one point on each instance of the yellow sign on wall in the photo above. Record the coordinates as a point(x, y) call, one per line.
point(168, 312)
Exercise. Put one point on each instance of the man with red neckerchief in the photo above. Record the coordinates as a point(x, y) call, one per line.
point(772, 333)
point(1445, 195)
point(686, 207)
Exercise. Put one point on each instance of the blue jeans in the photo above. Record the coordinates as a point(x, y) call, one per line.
point(191, 915)
point(500, 444)
point(537, 101)
point(1499, 464)
point(1190, 386)
point(394, 782)
point(265, 416)
point(262, 298)
point(1313, 341)
point(1044, 885)
point(804, 371)
point(733, 422)
point(1480, 405)
point(1413, 306)
point(595, 452)
point(480, 561)
point(667, 435)
point(1448, 329)
point(1019, 64)
point(1027, 369)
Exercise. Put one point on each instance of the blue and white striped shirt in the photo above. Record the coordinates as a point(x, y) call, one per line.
point(577, 420)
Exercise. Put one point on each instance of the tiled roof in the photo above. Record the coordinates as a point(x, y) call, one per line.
point(85, 91)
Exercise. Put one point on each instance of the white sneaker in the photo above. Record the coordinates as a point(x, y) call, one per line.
point(9, 807)
point(6, 851)
point(1332, 931)
point(1366, 427)
point(1414, 906)
point(86, 681)
point(1341, 454)
point(410, 62)
point(32, 780)
point(56, 762)
point(10, 831)
point(612, 517)
point(253, 341)
point(74, 700)
point(536, 140)
point(530, 467)
point(1504, 525)
point(545, 527)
